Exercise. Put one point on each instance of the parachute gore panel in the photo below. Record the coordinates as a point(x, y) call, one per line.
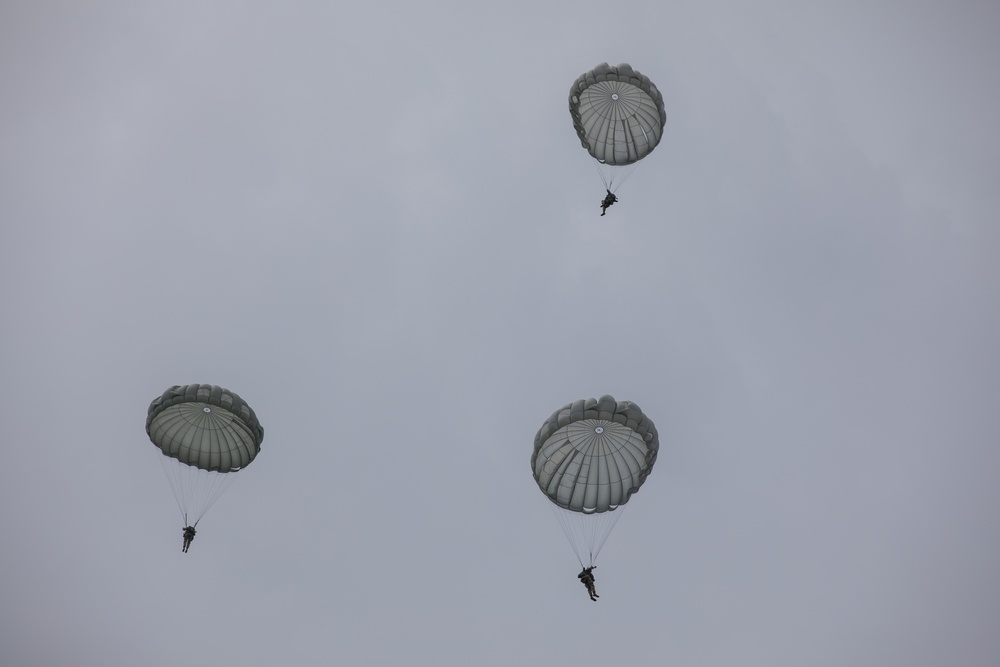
point(205, 426)
point(592, 455)
point(618, 114)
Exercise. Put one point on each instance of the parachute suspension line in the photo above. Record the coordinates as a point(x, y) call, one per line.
point(208, 493)
point(610, 520)
point(622, 174)
point(604, 177)
point(613, 176)
point(567, 528)
point(587, 533)
point(167, 465)
point(195, 490)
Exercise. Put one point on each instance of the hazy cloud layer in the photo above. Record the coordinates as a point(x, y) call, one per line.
point(377, 226)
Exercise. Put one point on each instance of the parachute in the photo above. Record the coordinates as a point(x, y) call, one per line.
point(619, 116)
point(206, 435)
point(589, 458)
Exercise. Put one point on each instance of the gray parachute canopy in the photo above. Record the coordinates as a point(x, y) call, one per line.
point(205, 426)
point(618, 114)
point(592, 455)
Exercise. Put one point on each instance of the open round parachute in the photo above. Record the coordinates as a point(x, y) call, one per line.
point(619, 116)
point(206, 435)
point(589, 458)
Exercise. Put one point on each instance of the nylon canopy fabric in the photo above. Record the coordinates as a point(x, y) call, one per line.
point(205, 426)
point(591, 455)
point(618, 114)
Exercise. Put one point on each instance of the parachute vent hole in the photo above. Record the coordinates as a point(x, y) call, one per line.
point(206, 409)
point(599, 429)
point(614, 96)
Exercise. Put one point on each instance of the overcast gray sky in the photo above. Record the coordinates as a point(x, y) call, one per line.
point(376, 224)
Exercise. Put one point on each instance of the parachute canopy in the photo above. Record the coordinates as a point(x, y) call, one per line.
point(618, 114)
point(592, 455)
point(206, 435)
point(205, 426)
